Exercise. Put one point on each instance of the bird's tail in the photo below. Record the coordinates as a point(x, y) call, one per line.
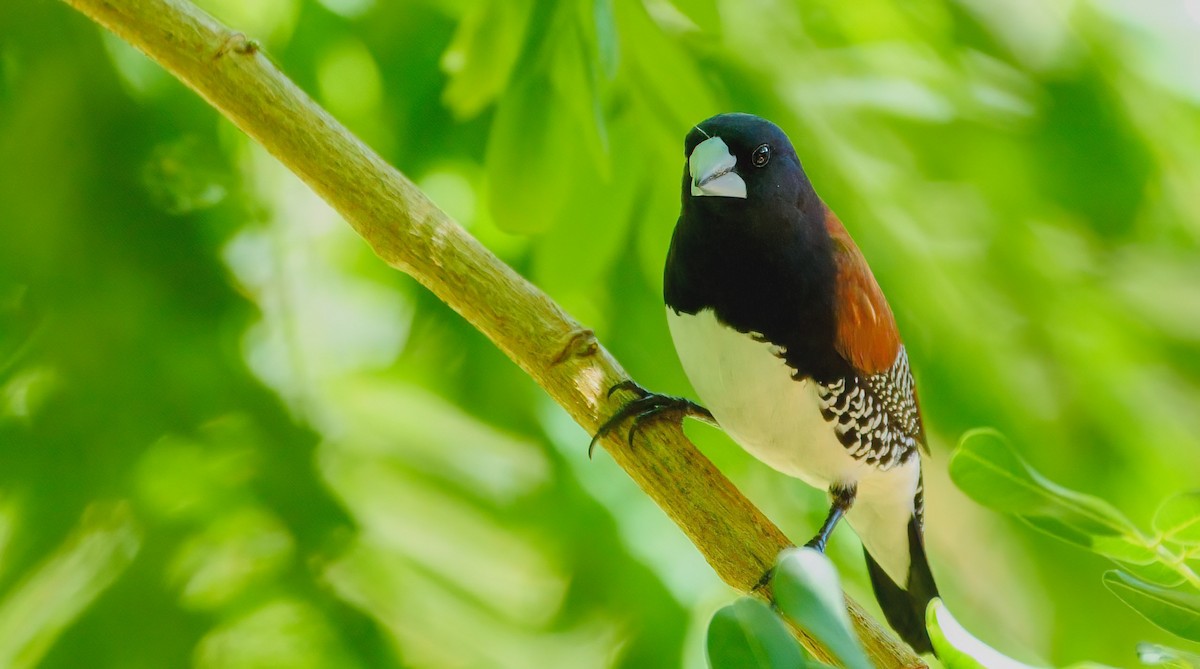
point(888, 516)
point(904, 605)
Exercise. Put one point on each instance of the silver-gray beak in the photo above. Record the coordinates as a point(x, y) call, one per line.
point(711, 168)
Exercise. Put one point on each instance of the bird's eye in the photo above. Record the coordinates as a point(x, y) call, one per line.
point(761, 155)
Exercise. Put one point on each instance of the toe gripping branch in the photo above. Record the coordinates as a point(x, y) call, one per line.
point(645, 406)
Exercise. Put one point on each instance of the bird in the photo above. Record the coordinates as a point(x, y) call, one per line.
point(794, 352)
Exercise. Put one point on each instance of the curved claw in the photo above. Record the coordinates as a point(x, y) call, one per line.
point(647, 405)
point(634, 407)
point(630, 385)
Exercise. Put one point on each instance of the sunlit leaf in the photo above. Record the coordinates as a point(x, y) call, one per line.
point(44, 602)
point(238, 551)
point(1124, 548)
point(807, 590)
point(575, 76)
point(748, 635)
point(669, 81)
point(572, 257)
point(1176, 610)
point(1154, 572)
point(702, 12)
point(1178, 519)
point(481, 56)
point(531, 158)
point(607, 44)
point(959, 649)
point(1059, 530)
point(987, 469)
point(282, 632)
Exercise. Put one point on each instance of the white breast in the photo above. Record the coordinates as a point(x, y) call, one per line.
point(750, 391)
point(776, 418)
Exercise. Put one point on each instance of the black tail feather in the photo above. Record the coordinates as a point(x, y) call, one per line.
point(904, 608)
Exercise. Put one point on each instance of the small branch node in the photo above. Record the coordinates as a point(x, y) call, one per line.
point(763, 587)
point(581, 342)
point(240, 44)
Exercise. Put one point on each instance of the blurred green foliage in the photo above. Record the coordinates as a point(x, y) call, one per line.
point(229, 437)
point(1157, 571)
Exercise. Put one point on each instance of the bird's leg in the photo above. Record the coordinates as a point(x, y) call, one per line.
point(645, 406)
point(843, 499)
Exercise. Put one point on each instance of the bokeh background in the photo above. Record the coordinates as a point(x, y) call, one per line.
point(230, 437)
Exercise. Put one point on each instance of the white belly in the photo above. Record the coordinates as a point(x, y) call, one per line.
point(777, 419)
point(750, 391)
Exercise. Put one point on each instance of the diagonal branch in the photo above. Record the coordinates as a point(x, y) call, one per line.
point(408, 232)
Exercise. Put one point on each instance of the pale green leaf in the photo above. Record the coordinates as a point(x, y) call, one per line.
point(989, 472)
point(572, 257)
point(1178, 519)
point(808, 590)
point(607, 45)
point(1124, 548)
point(959, 649)
point(1059, 530)
point(667, 78)
point(573, 72)
point(987, 469)
point(701, 12)
point(1176, 610)
point(532, 157)
point(1155, 572)
point(481, 57)
point(51, 596)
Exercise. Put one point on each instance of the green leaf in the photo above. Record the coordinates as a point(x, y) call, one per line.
point(987, 469)
point(532, 157)
point(571, 258)
point(574, 73)
point(1155, 572)
point(1162, 656)
point(1178, 519)
point(747, 634)
point(959, 649)
point(1176, 610)
point(1126, 549)
point(481, 57)
point(607, 45)
point(36, 610)
point(18, 325)
point(666, 77)
point(808, 590)
point(702, 12)
point(1059, 530)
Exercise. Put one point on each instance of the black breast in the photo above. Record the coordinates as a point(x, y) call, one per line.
point(775, 278)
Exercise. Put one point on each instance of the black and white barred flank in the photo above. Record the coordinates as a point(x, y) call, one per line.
point(875, 417)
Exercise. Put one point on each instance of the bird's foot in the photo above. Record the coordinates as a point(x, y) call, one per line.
point(817, 542)
point(645, 406)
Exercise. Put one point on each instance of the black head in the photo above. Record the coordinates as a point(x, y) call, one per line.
point(752, 244)
point(741, 165)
